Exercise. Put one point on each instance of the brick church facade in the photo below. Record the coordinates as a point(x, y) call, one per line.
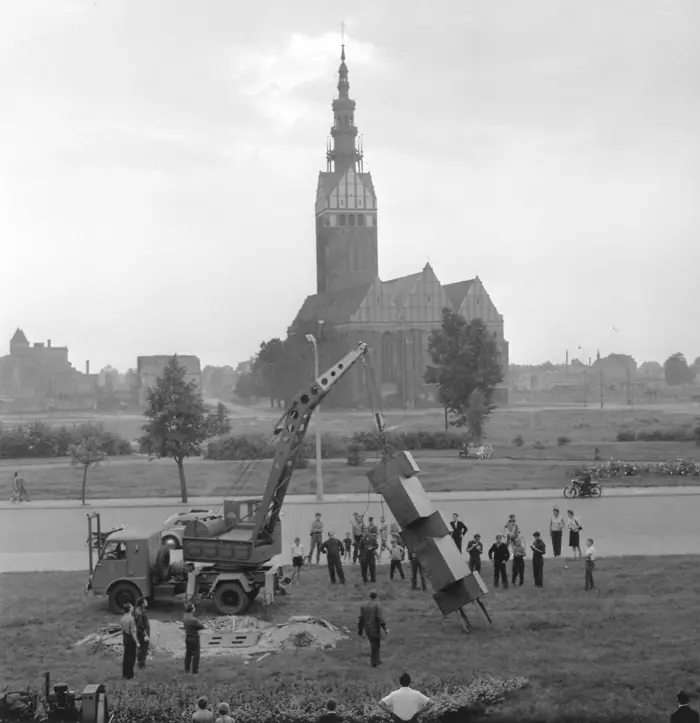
point(394, 317)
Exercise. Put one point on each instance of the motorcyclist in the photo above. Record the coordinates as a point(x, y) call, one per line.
point(586, 484)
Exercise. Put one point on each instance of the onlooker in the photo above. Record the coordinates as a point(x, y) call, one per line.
point(347, 542)
point(398, 553)
point(459, 530)
point(510, 530)
point(383, 537)
point(373, 530)
point(358, 529)
point(316, 538)
point(538, 552)
point(372, 623)
point(684, 713)
point(130, 641)
point(590, 564)
point(556, 529)
point(405, 703)
point(202, 715)
point(224, 713)
point(574, 531)
point(500, 555)
point(475, 549)
point(518, 570)
point(368, 558)
point(333, 549)
point(416, 569)
point(330, 714)
point(394, 531)
point(297, 560)
point(192, 642)
point(19, 490)
point(143, 631)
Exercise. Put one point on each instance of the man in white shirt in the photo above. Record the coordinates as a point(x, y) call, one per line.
point(405, 703)
point(297, 560)
point(556, 530)
point(590, 564)
point(130, 641)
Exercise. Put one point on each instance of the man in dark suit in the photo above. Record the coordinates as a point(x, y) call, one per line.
point(459, 530)
point(371, 623)
point(684, 713)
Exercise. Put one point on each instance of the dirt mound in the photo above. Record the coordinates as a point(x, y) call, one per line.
point(243, 636)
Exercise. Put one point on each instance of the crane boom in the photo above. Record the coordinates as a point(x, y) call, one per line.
point(290, 434)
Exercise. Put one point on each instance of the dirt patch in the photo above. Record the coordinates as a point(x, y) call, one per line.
point(242, 636)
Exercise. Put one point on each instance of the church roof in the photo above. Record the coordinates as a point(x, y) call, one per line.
point(330, 179)
point(402, 285)
point(334, 306)
point(19, 337)
point(458, 291)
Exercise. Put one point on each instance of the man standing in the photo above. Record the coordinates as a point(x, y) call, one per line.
point(538, 551)
point(459, 530)
point(511, 530)
point(518, 560)
point(333, 549)
point(383, 536)
point(19, 490)
point(316, 538)
point(373, 530)
point(143, 631)
point(371, 623)
point(404, 704)
point(368, 558)
point(129, 638)
point(556, 530)
point(192, 642)
point(398, 552)
point(500, 555)
point(475, 549)
point(416, 569)
point(358, 529)
point(590, 564)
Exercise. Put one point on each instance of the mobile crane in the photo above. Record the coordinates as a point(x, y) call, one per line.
point(228, 559)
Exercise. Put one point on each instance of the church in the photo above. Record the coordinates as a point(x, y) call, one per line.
point(394, 317)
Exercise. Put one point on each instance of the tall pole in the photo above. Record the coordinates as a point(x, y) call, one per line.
point(319, 463)
point(601, 383)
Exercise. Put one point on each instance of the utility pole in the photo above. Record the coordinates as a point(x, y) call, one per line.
point(601, 383)
point(319, 460)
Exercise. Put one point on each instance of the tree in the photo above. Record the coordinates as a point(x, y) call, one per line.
point(218, 422)
point(86, 454)
point(476, 415)
point(677, 371)
point(465, 358)
point(269, 369)
point(177, 415)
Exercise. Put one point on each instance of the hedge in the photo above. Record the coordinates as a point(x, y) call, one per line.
point(333, 446)
point(38, 440)
point(674, 468)
point(302, 702)
point(659, 434)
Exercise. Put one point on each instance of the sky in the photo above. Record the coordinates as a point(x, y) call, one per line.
point(159, 161)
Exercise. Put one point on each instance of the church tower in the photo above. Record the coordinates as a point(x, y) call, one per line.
point(346, 205)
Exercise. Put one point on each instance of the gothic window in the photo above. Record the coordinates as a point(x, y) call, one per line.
point(388, 364)
point(351, 219)
point(342, 202)
point(342, 219)
point(360, 219)
point(359, 203)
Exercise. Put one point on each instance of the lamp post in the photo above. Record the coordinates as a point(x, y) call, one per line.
point(319, 465)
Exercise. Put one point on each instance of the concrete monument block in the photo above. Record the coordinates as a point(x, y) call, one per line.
point(401, 465)
point(407, 500)
point(437, 525)
point(443, 562)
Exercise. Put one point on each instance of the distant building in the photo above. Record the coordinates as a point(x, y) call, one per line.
point(150, 368)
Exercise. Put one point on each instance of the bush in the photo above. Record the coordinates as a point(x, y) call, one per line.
point(518, 441)
point(562, 441)
point(675, 468)
point(657, 434)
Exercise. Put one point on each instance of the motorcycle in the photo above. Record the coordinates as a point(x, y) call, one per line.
point(579, 488)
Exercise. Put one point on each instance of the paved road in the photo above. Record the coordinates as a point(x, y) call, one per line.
point(52, 536)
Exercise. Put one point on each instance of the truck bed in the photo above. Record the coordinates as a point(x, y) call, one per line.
point(230, 548)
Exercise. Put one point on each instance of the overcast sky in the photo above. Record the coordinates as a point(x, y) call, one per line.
point(159, 160)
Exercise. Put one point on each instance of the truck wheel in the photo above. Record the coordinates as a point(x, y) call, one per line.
point(121, 594)
point(231, 599)
point(171, 541)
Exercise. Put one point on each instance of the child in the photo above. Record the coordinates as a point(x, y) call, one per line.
point(590, 564)
point(348, 546)
point(297, 560)
point(475, 549)
point(538, 551)
point(397, 556)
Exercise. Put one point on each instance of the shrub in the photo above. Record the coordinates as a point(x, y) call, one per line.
point(626, 435)
point(657, 434)
point(562, 441)
point(675, 468)
point(518, 441)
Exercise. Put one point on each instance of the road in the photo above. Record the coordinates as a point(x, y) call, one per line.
point(651, 521)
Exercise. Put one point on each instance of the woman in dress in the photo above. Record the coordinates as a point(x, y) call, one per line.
point(574, 528)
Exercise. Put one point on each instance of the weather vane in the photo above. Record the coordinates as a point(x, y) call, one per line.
point(342, 27)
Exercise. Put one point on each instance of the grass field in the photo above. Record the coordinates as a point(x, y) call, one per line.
point(622, 654)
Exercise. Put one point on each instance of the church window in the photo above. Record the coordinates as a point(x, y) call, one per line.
point(342, 219)
point(334, 220)
point(360, 219)
point(342, 202)
point(327, 221)
point(359, 203)
point(351, 219)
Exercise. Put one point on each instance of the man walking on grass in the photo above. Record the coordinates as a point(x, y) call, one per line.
point(590, 564)
point(538, 552)
point(143, 631)
point(192, 642)
point(404, 704)
point(333, 549)
point(500, 555)
point(371, 623)
point(130, 641)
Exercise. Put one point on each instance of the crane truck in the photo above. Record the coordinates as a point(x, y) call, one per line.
point(228, 559)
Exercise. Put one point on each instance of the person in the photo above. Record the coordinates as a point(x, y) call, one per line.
point(404, 704)
point(19, 491)
point(499, 554)
point(130, 641)
point(368, 558)
point(518, 571)
point(224, 713)
point(192, 642)
point(475, 549)
point(459, 530)
point(297, 560)
point(330, 714)
point(574, 531)
point(371, 623)
point(333, 549)
point(510, 530)
point(398, 553)
point(556, 529)
point(358, 529)
point(347, 542)
point(143, 631)
point(202, 715)
point(538, 552)
point(590, 564)
point(316, 538)
point(684, 713)
point(373, 531)
point(416, 569)
point(586, 484)
point(394, 531)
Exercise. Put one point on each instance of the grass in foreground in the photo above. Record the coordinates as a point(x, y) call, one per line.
point(624, 653)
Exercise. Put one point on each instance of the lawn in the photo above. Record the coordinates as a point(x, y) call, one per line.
point(622, 654)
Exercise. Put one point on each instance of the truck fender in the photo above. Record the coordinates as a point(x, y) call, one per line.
point(240, 577)
point(128, 581)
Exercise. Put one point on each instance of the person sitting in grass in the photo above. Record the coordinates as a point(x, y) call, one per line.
point(202, 715)
point(404, 704)
point(224, 712)
point(330, 714)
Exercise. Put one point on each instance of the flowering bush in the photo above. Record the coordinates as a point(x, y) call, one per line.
point(675, 468)
point(301, 703)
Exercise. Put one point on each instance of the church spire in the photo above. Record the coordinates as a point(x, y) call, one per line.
point(344, 153)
